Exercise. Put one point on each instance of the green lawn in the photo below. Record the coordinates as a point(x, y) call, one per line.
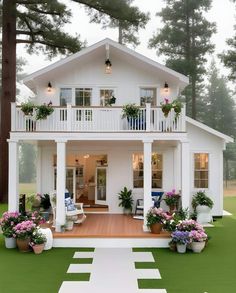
point(27, 188)
point(212, 271)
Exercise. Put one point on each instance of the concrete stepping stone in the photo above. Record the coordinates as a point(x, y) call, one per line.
point(148, 274)
point(73, 287)
point(152, 291)
point(80, 268)
point(84, 254)
point(142, 257)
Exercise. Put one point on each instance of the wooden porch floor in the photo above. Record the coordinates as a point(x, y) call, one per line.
point(109, 226)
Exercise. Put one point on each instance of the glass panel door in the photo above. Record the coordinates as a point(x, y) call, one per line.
point(70, 179)
point(101, 181)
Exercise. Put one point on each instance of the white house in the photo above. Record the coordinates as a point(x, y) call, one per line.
point(86, 146)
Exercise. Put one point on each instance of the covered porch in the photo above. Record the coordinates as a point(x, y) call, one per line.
point(119, 150)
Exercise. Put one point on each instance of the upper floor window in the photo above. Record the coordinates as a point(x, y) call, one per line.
point(157, 167)
point(201, 170)
point(105, 96)
point(83, 96)
point(65, 96)
point(147, 95)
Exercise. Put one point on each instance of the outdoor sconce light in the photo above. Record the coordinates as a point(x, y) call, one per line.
point(166, 87)
point(107, 61)
point(49, 87)
point(108, 66)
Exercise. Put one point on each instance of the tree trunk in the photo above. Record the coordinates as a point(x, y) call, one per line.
point(8, 88)
point(120, 39)
point(194, 97)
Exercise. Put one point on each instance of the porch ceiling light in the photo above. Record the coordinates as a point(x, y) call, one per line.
point(108, 64)
point(49, 87)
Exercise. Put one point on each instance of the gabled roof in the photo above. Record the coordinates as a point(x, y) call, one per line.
point(182, 78)
point(221, 135)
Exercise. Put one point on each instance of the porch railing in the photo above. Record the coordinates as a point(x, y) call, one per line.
point(99, 119)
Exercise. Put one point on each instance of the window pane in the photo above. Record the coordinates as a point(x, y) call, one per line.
point(65, 96)
point(105, 96)
point(148, 95)
point(201, 171)
point(83, 96)
point(156, 170)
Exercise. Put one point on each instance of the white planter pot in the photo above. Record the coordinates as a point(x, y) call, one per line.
point(181, 248)
point(69, 225)
point(10, 242)
point(197, 247)
point(203, 214)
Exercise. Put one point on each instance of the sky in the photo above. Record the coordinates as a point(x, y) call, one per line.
point(223, 15)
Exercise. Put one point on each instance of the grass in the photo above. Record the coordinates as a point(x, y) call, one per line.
point(212, 271)
point(27, 188)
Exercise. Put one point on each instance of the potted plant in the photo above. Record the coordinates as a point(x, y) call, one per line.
point(126, 200)
point(156, 218)
point(23, 232)
point(45, 206)
point(130, 111)
point(197, 239)
point(172, 200)
point(202, 204)
point(37, 242)
point(8, 221)
point(181, 238)
point(43, 111)
point(27, 108)
point(166, 107)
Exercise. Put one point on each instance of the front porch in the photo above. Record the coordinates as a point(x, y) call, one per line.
point(110, 230)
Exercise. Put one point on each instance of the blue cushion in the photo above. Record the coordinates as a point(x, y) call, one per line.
point(69, 204)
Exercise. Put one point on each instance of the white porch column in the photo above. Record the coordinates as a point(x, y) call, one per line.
point(13, 176)
point(61, 184)
point(147, 178)
point(185, 174)
point(39, 170)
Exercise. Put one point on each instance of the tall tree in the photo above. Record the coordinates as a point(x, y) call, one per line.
point(220, 111)
point(127, 32)
point(38, 24)
point(185, 40)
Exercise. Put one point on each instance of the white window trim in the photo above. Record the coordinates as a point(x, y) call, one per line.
point(155, 86)
point(193, 169)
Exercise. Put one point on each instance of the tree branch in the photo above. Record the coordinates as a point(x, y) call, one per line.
point(45, 12)
point(22, 2)
point(22, 41)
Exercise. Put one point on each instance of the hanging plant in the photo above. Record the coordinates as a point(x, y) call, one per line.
point(43, 111)
point(177, 106)
point(166, 107)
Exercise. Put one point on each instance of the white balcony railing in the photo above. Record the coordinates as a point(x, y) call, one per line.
point(98, 119)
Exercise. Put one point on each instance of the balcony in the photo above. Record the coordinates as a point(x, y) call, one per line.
point(98, 119)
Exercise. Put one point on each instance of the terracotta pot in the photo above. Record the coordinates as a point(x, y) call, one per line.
point(38, 248)
point(156, 228)
point(23, 244)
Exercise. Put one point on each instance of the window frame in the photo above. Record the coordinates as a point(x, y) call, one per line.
point(146, 87)
point(199, 170)
point(155, 170)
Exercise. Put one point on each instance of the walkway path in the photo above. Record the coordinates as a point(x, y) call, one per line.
point(113, 270)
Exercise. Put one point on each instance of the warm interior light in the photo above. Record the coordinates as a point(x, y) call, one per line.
point(108, 66)
point(49, 87)
point(86, 156)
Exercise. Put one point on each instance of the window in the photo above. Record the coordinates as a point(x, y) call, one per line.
point(157, 162)
point(105, 96)
point(148, 95)
point(201, 170)
point(83, 96)
point(65, 96)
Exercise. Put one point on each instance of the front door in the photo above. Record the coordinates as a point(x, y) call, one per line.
point(101, 186)
point(70, 179)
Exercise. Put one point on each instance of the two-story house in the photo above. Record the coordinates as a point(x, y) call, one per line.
point(86, 145)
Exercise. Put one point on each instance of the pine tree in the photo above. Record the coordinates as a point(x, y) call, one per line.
point(39, 25)
point(185, 40)
point(127, 32)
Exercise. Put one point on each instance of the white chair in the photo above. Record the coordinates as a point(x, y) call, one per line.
point(77, 214)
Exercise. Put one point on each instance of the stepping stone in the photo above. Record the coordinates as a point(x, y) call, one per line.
point(207, 225)
point(142, 257)
point(225, 213)
point(80, 268)
point(148, 274)
point(152, 291)
point(84, 254)
point(73, 287)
